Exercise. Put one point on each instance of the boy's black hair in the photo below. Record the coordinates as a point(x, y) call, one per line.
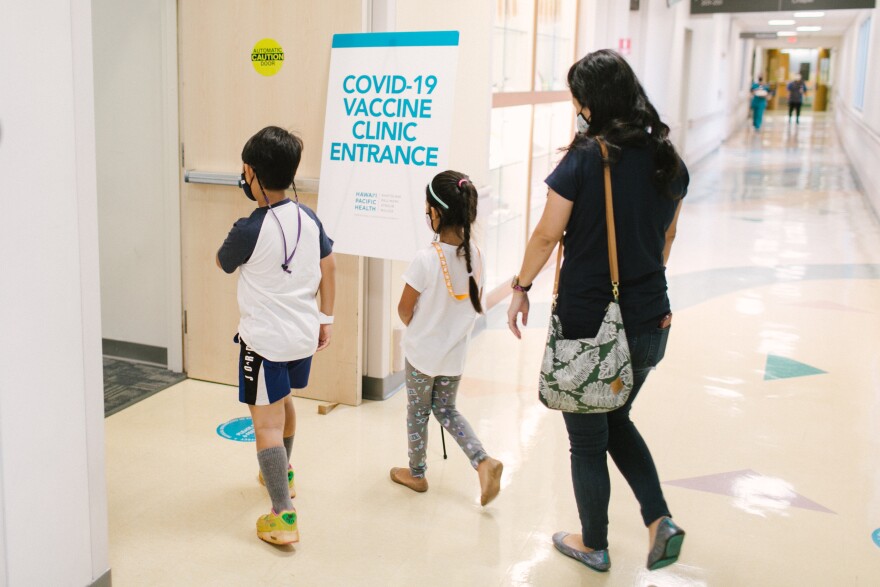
point(460, 195)
point(274, 154)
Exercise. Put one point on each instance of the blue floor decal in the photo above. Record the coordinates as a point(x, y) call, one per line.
point(783, 368)
point(239, 429)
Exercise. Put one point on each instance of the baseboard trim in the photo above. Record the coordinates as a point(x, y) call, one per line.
point(382, 388)
point(135, 351)
point(102, 581)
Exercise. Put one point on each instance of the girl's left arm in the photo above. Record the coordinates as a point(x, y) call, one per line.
point(407, 306)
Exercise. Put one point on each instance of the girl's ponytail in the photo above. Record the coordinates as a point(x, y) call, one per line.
point(469, 195)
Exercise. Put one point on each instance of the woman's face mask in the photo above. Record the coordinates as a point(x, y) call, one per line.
point(583, 125)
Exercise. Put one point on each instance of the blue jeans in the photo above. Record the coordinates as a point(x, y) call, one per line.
point(593, 435)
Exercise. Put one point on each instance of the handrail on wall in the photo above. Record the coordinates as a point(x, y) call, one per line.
point(308, 185)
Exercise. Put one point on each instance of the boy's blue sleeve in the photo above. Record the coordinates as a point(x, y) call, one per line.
point(240, 243)
point(325, 241)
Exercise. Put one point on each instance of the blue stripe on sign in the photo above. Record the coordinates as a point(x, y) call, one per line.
point(420, 39)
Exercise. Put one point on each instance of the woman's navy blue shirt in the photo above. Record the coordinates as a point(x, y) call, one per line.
point(642, 216)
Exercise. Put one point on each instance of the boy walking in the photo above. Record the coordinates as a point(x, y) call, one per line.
point(284, 260)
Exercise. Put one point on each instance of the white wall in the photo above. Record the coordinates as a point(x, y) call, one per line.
point(54, 518)
point(859, 131)
point(138, 203)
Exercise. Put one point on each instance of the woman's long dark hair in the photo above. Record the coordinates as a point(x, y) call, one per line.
point(459, 194)
point(621, 113)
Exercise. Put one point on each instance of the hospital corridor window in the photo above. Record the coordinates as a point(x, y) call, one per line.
point(532, 119)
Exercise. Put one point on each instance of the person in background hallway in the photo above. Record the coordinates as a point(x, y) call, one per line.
point(760, 94)
point(440, 301)
point(649, 181)
point(284, 260)
point(797, 89)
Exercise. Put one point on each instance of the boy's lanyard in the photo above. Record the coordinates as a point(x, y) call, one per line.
point(285, 266)
point(445, 267)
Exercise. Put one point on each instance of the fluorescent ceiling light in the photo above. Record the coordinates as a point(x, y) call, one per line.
point(786, 34)
point(780, 22)
point(809, 29)
point(809, 14)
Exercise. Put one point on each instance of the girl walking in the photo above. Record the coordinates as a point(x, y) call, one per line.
point(439, 304)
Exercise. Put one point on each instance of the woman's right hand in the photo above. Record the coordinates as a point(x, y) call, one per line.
point(519, 304)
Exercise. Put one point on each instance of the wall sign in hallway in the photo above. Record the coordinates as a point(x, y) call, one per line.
point(716, 6)
point(386, 134)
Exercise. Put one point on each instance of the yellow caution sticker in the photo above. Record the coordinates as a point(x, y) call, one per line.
point(267, 57)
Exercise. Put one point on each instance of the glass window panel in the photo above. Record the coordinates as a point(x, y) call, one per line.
point(504, 212)
point(554, 50)
point(513, 37)
point(554, 125)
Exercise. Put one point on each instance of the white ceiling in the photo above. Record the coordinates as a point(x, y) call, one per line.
point(834, 23)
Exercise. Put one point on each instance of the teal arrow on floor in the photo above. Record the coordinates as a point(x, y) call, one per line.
point(784, 368)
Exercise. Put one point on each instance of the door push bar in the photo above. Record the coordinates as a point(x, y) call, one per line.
point(307, 185)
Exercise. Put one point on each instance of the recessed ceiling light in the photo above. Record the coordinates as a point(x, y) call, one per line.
point(809, 14)
point(780, 22)
point(809, 29)
point(786, 34)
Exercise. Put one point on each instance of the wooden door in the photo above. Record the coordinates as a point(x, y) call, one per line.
point(223, 101)
point(820, 81)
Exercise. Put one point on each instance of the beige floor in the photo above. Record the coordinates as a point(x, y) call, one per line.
point(778, 255)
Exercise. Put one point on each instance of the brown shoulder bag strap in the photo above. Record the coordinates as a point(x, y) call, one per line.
point(609, 220)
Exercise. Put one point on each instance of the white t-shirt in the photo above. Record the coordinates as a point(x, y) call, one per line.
point(279, 310)
point(436, 339)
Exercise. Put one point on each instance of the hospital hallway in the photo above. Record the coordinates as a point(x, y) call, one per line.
point(762, 420)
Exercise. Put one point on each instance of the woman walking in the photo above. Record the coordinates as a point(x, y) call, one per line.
point(649, 181)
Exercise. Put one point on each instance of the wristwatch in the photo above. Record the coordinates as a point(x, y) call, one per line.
point(517, 287)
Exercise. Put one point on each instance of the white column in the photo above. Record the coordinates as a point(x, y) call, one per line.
point(382, 17)
point(53, 510)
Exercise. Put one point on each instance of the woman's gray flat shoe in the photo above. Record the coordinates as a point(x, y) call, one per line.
point(597, 560)
point(667, 545)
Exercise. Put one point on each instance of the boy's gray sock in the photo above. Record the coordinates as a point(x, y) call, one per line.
point(273, 465)
point(288, 445)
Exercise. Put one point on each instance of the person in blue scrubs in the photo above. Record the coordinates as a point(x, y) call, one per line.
point(760, 94)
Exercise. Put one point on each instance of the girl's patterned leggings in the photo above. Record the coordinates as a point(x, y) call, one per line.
point(426, 394)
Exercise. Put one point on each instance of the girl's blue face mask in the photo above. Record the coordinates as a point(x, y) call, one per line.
point(243, 184)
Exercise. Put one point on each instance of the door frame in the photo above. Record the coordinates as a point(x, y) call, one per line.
point(172, 166)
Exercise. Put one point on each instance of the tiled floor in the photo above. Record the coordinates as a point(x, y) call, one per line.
point(763, 420)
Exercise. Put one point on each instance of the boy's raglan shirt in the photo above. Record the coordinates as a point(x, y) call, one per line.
point(279, 310)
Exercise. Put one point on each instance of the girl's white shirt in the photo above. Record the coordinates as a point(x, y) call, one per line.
point(436, 339)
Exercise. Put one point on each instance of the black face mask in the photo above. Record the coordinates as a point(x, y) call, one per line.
point(243, 184)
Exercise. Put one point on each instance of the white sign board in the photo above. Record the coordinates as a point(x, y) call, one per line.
point(386, 134)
